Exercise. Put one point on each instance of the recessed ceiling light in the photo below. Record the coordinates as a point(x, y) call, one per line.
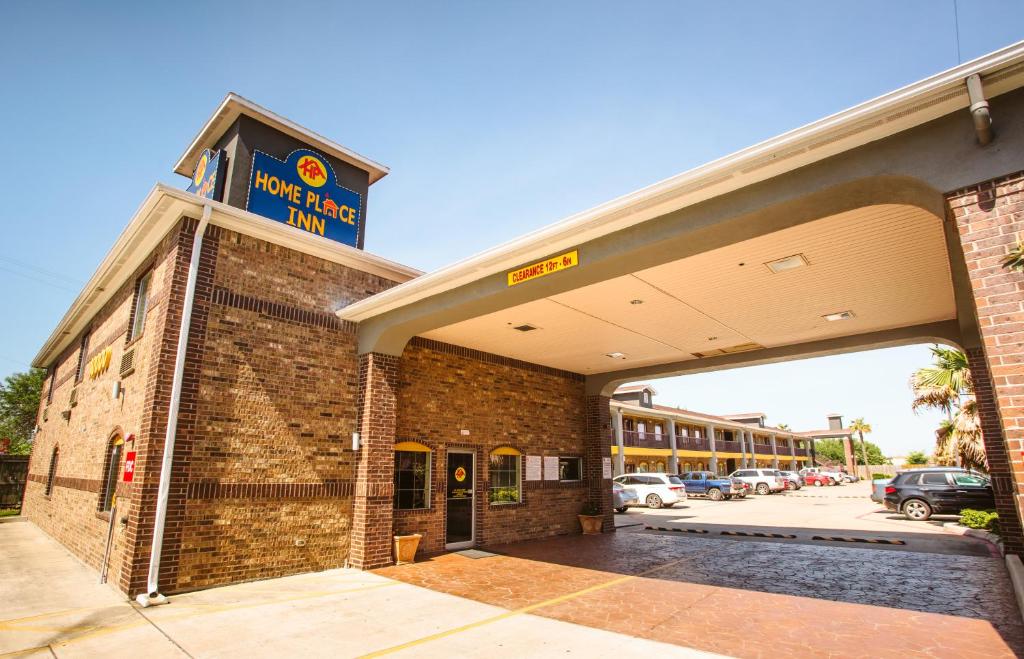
point(712, 338)
point(526, 327)
point(636, 301)
point(839, 315)
point(787, 263)
point(616, 355)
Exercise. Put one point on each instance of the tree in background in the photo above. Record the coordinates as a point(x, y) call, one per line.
point(860, 427)
point(782, 426)
point(947, 385)
point(917, 458)
point(19, 405)
point(831, 450)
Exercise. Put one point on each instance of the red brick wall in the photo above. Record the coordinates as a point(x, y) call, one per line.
point(990, 220)
point(445, 390)
point(71, 514)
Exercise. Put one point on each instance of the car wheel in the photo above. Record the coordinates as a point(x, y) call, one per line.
point(622, 509)
point(715, 494)
point(762, 488)
point(917, 510)
point(727, 496)
point(817, 483)
point(790, 486)
point(831, 481)
point(653, 501)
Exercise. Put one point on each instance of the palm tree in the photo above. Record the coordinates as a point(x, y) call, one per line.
point(947, 386)
point(782, 426)
point(861, 427)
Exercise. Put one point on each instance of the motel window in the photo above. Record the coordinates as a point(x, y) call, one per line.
point(52, 474)
point(570, 469)
point(412, 476)
point(83, 350)
point(141, 306)
point(505, 476)
point(53, 379)
point(113, 469)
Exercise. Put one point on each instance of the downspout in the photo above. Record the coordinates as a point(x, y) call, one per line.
point(979, 110)
point(152, 595)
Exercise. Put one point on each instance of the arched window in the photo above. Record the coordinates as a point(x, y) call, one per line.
point(505, 475)
point(642, 467)
point(661, 467)
point(53, 470)
point(113, 469)
point(412, 476)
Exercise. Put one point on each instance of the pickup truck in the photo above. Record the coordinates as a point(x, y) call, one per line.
point(716, 488)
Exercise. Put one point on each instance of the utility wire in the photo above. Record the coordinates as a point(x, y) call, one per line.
point(37, 279)
point(43, 271)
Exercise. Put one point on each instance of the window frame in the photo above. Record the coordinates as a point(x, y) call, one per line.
point(115, 452)
point(53, 380)
point(575, 458)
point(83, 352)
point(137, 325)
point(517, 460)
point(427, 456)
point(51, 474)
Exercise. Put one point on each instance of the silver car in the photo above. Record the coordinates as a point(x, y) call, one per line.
point(623, 497)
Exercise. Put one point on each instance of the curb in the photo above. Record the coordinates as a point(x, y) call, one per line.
point(990, 538)
point(1016, 570)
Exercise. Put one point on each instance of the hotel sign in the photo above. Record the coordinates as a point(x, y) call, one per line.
point(303, 192)
point(208, 176)
point(544, 268)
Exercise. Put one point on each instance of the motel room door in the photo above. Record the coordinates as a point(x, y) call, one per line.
point(459, 511)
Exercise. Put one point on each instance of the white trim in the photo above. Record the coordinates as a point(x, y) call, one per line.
point(157, 214)
point(234, 105)
point(699, 420)
point(881, 117)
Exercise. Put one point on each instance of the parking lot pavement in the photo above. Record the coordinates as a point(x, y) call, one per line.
point(843, 512)
point(52, 606)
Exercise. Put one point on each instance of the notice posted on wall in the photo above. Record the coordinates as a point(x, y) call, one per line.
point(551, 468)
point(533, 468)
point(606, 467)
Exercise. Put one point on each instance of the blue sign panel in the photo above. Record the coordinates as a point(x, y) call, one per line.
point(208, 177)
point(303, 192)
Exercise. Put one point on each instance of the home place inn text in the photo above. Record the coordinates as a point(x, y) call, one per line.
point(241, 391)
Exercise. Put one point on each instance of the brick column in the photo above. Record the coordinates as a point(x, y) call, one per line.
point(372, 535)
point(709, 430)
point(775, 453)
point(990, 219)
point(596, 450)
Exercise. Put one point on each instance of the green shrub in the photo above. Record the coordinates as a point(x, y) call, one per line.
point(980, 519)
point(879, 476)
point(590, 509)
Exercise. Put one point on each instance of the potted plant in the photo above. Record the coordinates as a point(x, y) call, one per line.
point(405, 547)
point(591, 518)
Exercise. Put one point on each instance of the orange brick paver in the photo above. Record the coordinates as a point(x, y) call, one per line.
point(746, 599)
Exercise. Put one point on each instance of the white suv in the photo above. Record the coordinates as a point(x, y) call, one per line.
point(763, 481)
point(654, 489)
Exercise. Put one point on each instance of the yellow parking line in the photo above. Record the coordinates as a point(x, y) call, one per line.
point(523, 610)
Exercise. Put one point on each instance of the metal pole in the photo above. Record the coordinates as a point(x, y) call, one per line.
point(620, 456)
point(673, 462)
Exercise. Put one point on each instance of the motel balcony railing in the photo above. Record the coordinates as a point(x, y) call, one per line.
point(726, 446)
point(655, 440)
point(800, 451)
point(692, 443)
point(762, 449)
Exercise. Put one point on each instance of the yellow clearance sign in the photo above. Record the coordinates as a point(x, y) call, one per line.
point(543, 268)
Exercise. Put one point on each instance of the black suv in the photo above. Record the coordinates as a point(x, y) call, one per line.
point(921, 493)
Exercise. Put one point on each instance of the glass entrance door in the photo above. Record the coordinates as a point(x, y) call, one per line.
point(459, 497)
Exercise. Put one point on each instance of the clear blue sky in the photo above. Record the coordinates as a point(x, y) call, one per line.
point(496, 118)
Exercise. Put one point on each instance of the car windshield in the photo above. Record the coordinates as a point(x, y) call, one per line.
point(675, 480)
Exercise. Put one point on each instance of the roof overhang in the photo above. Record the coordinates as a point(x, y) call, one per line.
point(234, 106)
point(718, 422)
point(158, 214)
point(884, 116)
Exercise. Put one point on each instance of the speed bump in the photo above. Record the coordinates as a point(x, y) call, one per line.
point(871, 541)
point(758, 534)
point(666, 528)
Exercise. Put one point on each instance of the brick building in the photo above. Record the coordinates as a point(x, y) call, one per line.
point(240, 391)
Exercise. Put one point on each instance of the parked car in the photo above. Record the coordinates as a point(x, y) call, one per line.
point(655, 490)
point(834, 477)
point(623, 497)
point(714, 487)
point(850, 478)
point(921, 493)
point(793, 481)
point(817, 480)
point(763, 481)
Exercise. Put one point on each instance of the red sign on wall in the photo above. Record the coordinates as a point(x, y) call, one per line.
point(129, 467)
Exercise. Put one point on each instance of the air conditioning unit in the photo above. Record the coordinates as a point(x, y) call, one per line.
point(127, 363)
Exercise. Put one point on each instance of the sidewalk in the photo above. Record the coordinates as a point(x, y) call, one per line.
point(52, 605)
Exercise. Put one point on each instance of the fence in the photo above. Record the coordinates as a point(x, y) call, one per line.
point(888, 470)
point(13, 474)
